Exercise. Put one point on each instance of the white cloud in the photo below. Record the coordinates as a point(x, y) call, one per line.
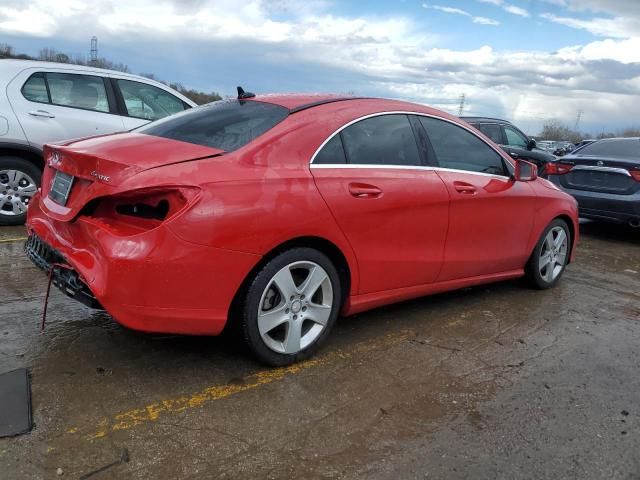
point(624, 51)
point(612, 7)
point(464, 13)
point(517, 10)
point(513, 9)
point(617, 27)
point(28, 21)
point(457, 11)
point(485, 21)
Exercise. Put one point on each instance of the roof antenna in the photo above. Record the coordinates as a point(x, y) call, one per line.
point(243, 95)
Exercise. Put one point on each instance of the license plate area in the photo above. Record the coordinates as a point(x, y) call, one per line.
point(60, 187)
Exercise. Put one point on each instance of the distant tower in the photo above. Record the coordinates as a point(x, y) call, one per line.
point(94, 50)
point(578, 118)
point(461, 107)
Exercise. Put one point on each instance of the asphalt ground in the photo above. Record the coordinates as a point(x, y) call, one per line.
point(498, 381)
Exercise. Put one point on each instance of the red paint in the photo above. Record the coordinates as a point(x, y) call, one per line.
point(403, 232)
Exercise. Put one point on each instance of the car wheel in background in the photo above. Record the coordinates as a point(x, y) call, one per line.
point(290, 306)
point(19, 181)
point(550, 256)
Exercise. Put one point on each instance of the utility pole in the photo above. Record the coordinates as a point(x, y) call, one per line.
point(461, 108)
point(94, 50)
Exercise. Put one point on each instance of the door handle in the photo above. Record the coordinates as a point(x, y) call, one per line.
point(41, 113)
point(465, 188)
point(363, 190)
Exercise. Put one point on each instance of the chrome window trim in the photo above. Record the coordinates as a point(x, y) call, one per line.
point(602, 169)
point(371, 165)
point(455, 170)
point(401, 167)
point(403, 112)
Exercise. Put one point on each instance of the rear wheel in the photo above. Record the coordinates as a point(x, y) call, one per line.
point(290, 306)
point(19, 180)
point(550, 256)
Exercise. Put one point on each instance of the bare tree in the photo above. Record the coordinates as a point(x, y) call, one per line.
point(6, 50)
point(556, 130)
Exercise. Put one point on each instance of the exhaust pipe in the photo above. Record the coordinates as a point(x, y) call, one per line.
point(634, 222)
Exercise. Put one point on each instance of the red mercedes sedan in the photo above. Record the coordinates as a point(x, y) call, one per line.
point(278, 213)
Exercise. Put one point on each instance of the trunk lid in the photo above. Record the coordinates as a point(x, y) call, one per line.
point(97, 166)
point(111, 159)
point(600, 174)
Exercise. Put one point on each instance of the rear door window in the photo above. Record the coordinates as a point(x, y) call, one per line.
point(493, 131)
point(79, 91)
point(87, 92)
point(381, 140)
point(332, 153)
point(459, 149)
point(226, 125)
point(35, 89)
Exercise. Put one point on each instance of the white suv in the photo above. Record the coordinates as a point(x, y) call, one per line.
point(42, 102)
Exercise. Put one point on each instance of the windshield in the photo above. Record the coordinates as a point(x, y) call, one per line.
point(226, 125)
point(627, 147)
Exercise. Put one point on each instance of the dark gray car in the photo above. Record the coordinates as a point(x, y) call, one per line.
point(512, 140)
point(604, 177)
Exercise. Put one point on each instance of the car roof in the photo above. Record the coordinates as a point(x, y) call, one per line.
point(299, 102)
point(485, 119)
point(18, 65)
point(10, 67)
point(618, 139)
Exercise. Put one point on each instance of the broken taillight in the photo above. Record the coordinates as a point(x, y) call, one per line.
point(139, 210)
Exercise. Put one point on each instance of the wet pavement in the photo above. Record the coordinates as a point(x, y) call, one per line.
point(498, 381)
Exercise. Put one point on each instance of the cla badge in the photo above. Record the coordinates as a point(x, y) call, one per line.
point(99, 176)
point(600, 163)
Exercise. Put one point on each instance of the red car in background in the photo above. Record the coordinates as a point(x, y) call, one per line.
point(282, 212)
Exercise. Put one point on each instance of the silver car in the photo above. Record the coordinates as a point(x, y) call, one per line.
point(42, 102)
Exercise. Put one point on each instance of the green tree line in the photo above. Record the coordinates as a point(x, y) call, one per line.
point(52, 55)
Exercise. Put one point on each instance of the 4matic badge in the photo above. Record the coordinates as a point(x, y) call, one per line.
point(99, 176)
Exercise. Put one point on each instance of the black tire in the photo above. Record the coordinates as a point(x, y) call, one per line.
point(254, 296)
point(532, 270)
point(26, 167)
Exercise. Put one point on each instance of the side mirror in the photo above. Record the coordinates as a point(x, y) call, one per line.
point(525, 171)
point(531, 144)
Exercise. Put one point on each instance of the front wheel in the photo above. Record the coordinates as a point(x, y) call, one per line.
point(19, 180)
point(550, 256)
point(290, 306)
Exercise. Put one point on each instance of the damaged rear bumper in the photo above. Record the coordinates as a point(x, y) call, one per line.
point(63, 276)
point(153, 281)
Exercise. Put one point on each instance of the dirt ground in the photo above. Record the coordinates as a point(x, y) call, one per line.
point(498, 381)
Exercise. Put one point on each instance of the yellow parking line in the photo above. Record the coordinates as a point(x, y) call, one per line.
point(15, 239)
point(171, 406)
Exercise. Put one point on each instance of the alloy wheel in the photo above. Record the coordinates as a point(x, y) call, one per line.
point(553, 254)
point(16, 190)
point(295, 307)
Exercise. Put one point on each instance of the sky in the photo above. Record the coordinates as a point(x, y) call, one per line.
point(528, 61)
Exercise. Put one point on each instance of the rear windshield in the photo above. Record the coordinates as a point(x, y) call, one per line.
point(628, 147)
point(226, 125)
